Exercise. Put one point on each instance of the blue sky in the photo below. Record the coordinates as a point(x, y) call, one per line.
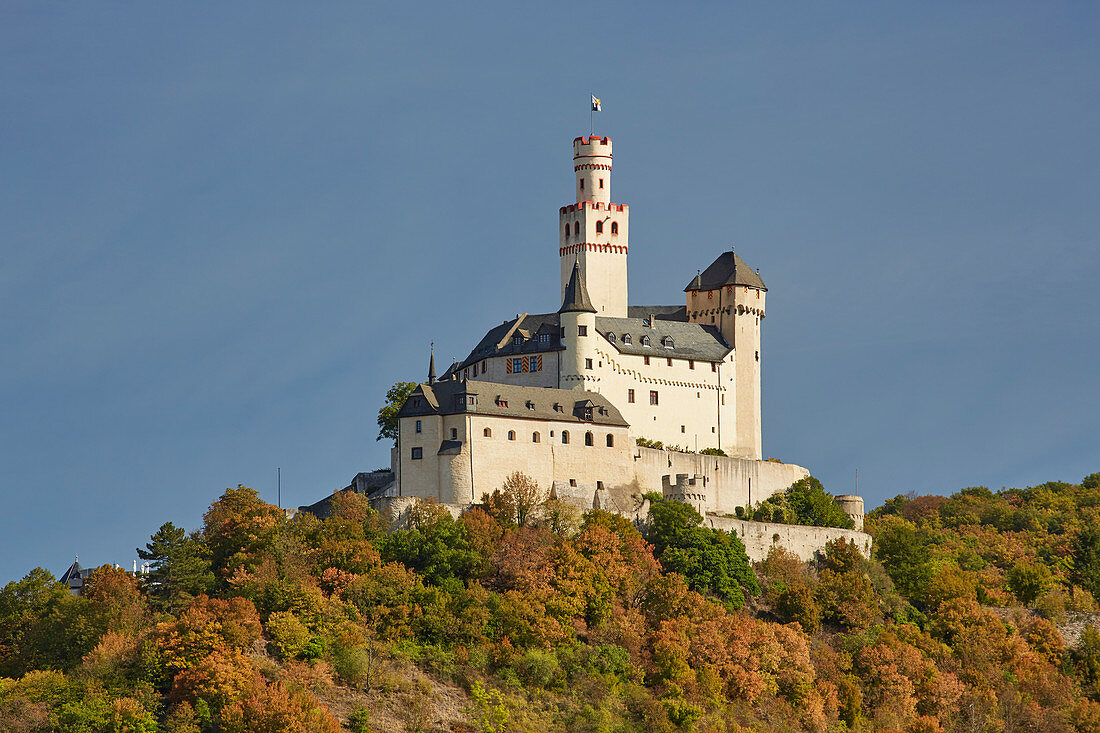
point(226, 229)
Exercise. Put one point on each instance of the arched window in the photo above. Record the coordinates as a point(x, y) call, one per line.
point(576, 227)
point(565, 436)
point(610, 440)
point(487, 433)
point(511, 435)
point(534, 437)
point(567, 229)
point(645, 340)
point(588, 439)
point(614, 227)
point(599, 227)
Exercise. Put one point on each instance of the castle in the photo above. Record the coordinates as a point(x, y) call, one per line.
point(600, 401)
point(574, 398)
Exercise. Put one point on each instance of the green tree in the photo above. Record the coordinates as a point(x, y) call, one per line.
point(1028, 580)
point(42, 626)
point(387, 414)
point(712, 561)
point(1086, 559)
point(435, 546)
point(814, 506)
point(905, 554)
point(179, 567)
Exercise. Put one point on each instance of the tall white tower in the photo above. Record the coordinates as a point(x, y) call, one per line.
point(593, 232)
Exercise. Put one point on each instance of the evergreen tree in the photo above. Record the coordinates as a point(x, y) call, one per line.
point(180, 567)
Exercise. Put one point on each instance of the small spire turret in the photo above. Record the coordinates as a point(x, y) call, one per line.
point(431, 364)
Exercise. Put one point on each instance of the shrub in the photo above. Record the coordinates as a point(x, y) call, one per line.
point(289, 636)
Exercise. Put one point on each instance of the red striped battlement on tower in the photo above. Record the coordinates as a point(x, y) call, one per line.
point(594, 205)
point(620, 249)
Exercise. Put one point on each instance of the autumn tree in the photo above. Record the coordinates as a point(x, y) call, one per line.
point(517, 500)
point(387, 413)
point(240, 528)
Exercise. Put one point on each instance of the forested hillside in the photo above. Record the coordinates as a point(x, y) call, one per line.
point(524, 616)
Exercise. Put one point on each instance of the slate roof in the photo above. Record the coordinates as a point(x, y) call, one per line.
point(728, 269)
point(689, 340)
point(526, 325)
point(663, 312)
point(576, 298)
point(510, 400)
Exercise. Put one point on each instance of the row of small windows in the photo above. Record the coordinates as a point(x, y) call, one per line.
point(542, 338)
point(582, 183)
point(599, 228)
point(666, 341)
point(417, 452)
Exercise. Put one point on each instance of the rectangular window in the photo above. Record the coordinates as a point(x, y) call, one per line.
point(517, 365)
point(646, 359)
point(454, 433)
point(587, 363)
point(417, 453)
point(630, 396)
point(582, 330)
point(691, 364)
point(669, 362)
point(419, 427)
point(601, 183)
point(713, 367)
point(653, 397)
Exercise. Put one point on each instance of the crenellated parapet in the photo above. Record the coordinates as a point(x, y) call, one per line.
point(688, 489)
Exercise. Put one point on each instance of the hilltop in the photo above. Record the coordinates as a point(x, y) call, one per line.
point(975, 612)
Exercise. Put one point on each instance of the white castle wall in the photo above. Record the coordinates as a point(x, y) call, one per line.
point(760, 537)
point(695, 403)
point(729, 482)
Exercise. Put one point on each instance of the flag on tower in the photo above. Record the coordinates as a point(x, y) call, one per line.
point(596, 104)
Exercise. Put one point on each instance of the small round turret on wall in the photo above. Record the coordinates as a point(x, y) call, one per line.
point(592, 168)
point(852, 505)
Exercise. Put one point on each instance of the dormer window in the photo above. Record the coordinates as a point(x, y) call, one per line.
point(501, 402)
point(517, 341)
point(627, 339)
point(645, 340)
point(611, 337)
point(530, 405)
point(667, 342)
point(544, 338)
point(558, 407)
